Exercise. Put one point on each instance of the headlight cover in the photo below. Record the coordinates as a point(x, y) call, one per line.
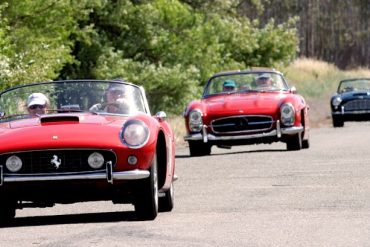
point(195, 120)
point(287, 114)
point(13, 163)
point(135, 134)
point(336, 101)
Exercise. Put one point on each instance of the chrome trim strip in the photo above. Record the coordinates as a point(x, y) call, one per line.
point(204, 133)
point(351, 112)
point(292, 130)
point(278, 129)
point(109, 168)
point(284, 131)
point(126, 175)
point(241, 137)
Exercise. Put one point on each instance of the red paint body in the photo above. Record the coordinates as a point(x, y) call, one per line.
point(242, 105)
point(91, 131)
point(55, 149)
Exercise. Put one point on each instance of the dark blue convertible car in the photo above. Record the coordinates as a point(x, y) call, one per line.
point(351, 102)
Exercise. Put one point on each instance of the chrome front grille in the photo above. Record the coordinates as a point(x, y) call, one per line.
point(71, 161)
point(242, 124)
point(357, 105)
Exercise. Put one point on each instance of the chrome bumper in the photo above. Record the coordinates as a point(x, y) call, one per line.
point(343, 113)
point(278, 132)
point(108, 175)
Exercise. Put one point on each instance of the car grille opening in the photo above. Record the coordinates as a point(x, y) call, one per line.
point(242, 124)
point(357, 105)
point(71, 161)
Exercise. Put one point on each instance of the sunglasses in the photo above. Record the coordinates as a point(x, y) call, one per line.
point(116, 92)
point(263, 78)
point(33, 107)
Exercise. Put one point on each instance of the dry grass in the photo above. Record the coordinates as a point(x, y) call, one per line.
point(315, 79)
point(178, 126)
point(310, 67)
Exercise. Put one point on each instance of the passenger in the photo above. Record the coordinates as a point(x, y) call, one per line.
point(229, 86)
point(115, 101)
point(37, 104)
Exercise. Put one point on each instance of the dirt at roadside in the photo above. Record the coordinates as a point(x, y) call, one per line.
point(319, 112)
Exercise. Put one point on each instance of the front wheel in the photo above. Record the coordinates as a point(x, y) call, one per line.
point(306, 144)
point(199, 148)
point(167, 201)
point(7, 211)
point(294, 142)
point(146, 201)
point(337, 122)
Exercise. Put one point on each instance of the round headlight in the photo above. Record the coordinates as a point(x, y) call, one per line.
point(195, 120)
point(287, 114)
point(95, 160)
point(336, 101)
point(13, 163)
point(135, 133)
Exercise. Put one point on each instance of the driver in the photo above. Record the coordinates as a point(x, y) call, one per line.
point(264, 81)
point(37, 104)
point(115, 101)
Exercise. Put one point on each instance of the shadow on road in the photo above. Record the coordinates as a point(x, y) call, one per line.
point(184, 156)
point(72, 219)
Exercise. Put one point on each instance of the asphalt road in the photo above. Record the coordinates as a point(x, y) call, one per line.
point(259, 195)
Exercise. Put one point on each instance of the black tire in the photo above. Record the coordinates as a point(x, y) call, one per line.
point(337, 122)
point(306, 144)
point(294, 142)
point(7, 212)
point(167, 201)
point(199, 148)
point(146, 202)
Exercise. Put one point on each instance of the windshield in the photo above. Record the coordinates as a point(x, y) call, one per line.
point(244, 82)
point(101, 97)
point(354, 85)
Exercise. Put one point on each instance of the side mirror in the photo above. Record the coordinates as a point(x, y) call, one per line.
point(2, 114)
point(161, 115)
point(293, 90)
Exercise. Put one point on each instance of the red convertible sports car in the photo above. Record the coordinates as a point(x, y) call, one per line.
point(246, 107)
point(84, 140)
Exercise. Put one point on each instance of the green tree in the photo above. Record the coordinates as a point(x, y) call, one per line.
point(40, 33)
point(170, 47)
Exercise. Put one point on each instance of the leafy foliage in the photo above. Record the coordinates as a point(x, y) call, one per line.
point(170, 47)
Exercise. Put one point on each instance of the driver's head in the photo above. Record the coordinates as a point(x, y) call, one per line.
point(264, 80)
point(37, 104)
point(115, 92)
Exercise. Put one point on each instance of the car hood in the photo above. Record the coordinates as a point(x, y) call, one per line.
point(355, 95)
point(61, 131)
point(264, 103)
point(56, 119)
